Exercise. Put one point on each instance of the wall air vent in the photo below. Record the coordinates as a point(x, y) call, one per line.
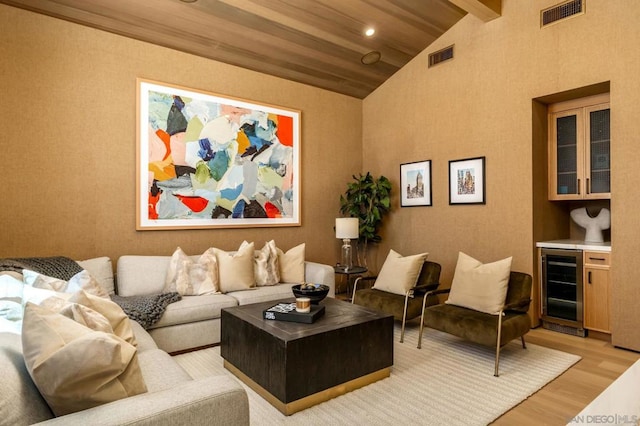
point(440, 56)
point(561, 11)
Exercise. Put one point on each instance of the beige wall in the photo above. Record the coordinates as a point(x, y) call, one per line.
point(68, 143)
point(480, 104)
point(68, 139)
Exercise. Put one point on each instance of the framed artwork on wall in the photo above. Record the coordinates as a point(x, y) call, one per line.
point(467, 181)
point(210, 161)
point(415, 184)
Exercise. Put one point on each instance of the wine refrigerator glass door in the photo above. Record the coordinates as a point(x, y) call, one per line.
point(562, 286)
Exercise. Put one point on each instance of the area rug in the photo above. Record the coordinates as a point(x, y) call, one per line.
point(448, 381)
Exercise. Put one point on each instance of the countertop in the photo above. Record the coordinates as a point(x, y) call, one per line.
point(575, 245)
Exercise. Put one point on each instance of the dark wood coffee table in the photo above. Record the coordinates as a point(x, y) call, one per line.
point(295, 366)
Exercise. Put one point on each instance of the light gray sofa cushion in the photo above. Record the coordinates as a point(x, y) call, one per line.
point(265, 294)
point(194, 309)
point(215, 400)
point(20, 400)
point(182, 337)
point(160, 372)
point(319, 273)
point(144, 341)
point(141, 275)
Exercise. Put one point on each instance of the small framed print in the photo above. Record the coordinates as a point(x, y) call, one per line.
point(467, 181)
point(415, 184)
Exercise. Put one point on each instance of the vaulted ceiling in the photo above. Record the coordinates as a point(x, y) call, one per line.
point(316, 42)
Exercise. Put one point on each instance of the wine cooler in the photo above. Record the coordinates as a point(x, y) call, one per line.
point(562, 291)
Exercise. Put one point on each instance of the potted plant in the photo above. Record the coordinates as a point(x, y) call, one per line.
point(368, 199)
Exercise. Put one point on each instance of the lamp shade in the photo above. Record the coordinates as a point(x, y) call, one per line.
point(347, 227)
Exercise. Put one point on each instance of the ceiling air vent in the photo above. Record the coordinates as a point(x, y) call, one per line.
point(440, 56)
point(561, 11)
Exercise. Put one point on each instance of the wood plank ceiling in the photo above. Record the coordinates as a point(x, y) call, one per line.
point(316, 42)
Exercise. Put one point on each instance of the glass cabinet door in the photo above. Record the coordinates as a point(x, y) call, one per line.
point(567, 150)
point(599, 143)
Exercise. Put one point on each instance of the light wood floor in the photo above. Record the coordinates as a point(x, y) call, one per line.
point(559, 401)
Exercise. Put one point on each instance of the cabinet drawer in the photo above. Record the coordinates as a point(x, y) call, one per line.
point(597, 258)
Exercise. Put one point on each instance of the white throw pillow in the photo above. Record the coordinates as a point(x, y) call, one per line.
point(101, 269)
point(292, 264)
point(399, 274)
point(14, 274)
point(38, 295)
point(120, 322)
point(80, 281)
point(74, 367)
point(236, 269)
point(478, 286)
point(79, 313)
point(266, 267)
point(12, 301)
point(92, 311)
point(192, 278)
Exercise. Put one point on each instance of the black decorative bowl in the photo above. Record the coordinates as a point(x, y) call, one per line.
point(316, 294)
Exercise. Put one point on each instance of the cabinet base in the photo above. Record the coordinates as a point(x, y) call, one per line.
point(593, 334)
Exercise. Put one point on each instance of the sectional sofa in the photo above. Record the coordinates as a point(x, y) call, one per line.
point(172, 397)
point(194, 321)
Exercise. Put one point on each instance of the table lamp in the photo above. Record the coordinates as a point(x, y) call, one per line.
point(347, 228)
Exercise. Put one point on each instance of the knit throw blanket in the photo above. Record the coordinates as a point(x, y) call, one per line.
point(146, 310)
point(59, 267)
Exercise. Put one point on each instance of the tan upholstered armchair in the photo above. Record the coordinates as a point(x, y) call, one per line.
point(479, 327)
point(402, 307)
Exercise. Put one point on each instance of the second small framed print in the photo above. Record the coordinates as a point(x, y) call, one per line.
point(415, 184)
point(466, 181)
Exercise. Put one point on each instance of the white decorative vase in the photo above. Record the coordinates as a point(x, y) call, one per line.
point(593, 225)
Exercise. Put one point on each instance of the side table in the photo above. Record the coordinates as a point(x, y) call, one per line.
point(354, 270)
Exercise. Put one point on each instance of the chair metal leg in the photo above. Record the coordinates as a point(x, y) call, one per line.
point(495, 371)
point(355, 287)
point(404, 316)
point(424, 304)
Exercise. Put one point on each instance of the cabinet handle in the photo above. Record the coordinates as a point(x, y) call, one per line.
point(588, 186)
point(589, 277)
point(578, 186)
point(597, 258)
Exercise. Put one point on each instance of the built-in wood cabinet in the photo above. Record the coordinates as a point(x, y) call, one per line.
point(579, 148)
point(597, 291)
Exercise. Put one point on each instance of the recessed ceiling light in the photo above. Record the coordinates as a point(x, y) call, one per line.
point(371, 57)
point(369, 32)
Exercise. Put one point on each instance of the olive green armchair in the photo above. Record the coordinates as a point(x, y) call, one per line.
point(402, 307)
point(482, 328)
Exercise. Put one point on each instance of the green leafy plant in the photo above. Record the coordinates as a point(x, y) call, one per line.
point(368, 199)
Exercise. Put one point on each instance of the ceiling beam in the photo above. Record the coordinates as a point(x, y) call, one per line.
point(486, 10)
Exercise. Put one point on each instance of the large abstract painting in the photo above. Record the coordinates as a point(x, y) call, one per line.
point(206, 161)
